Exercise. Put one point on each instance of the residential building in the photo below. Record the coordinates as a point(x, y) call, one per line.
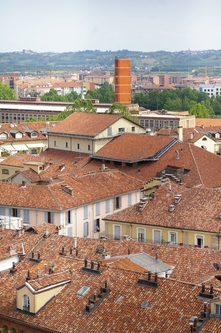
point(75, 204)
point(146, 157)
point(88, 132)
point(28, 137)
point(211, 89)
point(174, 215)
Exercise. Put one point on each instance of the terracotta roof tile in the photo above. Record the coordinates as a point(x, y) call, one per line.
point(198, 209)
point(87, 188)
point(86, 124)
point(168, 307)
point(132, 147)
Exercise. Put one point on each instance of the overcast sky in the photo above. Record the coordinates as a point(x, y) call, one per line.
point(136, 25)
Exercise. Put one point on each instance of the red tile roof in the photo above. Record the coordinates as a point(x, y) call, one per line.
point(198, 209)
point(169, 307)
point(132, 147)
point(86, 189)
point(85, 124)
point(191, 158)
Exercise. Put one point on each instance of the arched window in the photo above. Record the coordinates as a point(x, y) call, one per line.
point(4, 329)
point(26, 303)
point(5, 172)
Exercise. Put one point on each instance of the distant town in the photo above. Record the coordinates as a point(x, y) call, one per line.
point(110, 178)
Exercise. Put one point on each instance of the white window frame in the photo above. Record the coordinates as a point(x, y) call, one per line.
point(201, 236)
point(118, 200)
point(217, 306)
point(117, 225)
point(144, 233)
point(169, 237)
point(26, 303)
point(153, 235)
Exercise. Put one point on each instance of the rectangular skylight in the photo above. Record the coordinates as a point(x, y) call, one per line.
point(83, 291)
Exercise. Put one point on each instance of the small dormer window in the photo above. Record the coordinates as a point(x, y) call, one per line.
point(34, 134)
point(3, 136)
point(26, 303)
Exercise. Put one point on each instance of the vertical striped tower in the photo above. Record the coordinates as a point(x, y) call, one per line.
point(122, 81)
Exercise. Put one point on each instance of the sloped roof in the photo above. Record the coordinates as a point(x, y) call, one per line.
point(193, 159)
point(198, 209)
point(170, 306)
point(147, 262)
point(87, 188)
point(131, 147)
point(84, 124)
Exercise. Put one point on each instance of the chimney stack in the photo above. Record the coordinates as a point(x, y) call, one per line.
point(180, 133)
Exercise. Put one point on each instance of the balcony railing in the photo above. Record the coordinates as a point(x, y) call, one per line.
point(151, 241)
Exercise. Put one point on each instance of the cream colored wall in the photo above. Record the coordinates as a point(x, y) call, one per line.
point(100, 140)
point(78, 216)
point(188, 122)
point(210, 239)
point(11, 170)
point(43, 297)
point(121, 123)
point(210, 144)
point(37, 301)
point(20, 293)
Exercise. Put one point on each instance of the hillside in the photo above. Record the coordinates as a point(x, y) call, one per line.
point(160, 61)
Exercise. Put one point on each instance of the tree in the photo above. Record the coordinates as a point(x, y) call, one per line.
point(199, 110)
point(52, 95)
point(6, 92)
point(123, 110)
point(105, 94)
point(80, 105)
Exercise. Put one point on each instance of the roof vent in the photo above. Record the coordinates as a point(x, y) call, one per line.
point(207, 294)
point(95, 300)
point(171, 208)
point(177, 199)
point(149, 282)
point(92, 268)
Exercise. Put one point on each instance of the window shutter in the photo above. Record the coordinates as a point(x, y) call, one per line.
point(85, 229)
point(26, 215)
point(2, 210)
point(18, 212)
point(120, 202)
point(129, 199)
point(108, 206)
point(10, 212)
point(85, 212)
point(52, 217)
point(98, 208)
point(46, 216)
